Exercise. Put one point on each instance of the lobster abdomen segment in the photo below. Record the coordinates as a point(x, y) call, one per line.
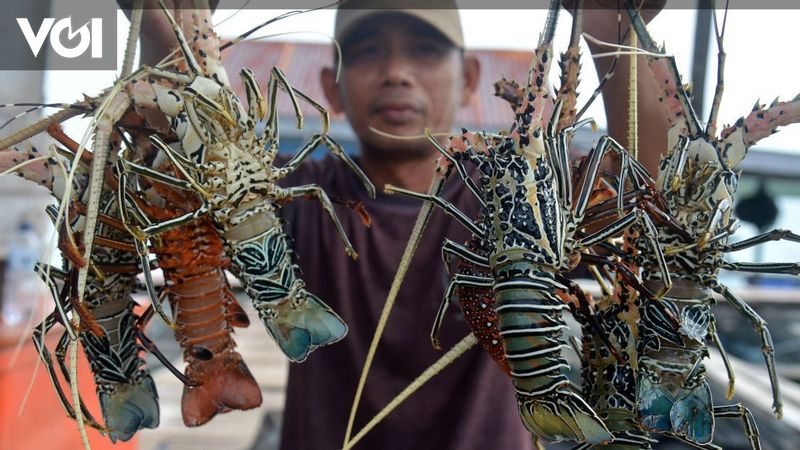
point(531, 328)
point(297, 320)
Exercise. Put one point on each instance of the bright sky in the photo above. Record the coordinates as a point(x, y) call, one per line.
point(761, 51)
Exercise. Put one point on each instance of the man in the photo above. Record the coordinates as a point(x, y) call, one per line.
point(402, 71)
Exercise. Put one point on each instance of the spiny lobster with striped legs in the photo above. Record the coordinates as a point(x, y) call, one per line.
point(698, 178)
point(528, 230)
point(476, 302)
point(230, 166)
point(109, 328)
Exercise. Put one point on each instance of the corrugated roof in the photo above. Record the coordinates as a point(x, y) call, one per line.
point(302, 63)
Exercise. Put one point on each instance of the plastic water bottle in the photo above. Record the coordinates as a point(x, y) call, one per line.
point(21, 286)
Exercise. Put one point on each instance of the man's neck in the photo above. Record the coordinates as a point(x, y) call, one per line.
point(414, 173)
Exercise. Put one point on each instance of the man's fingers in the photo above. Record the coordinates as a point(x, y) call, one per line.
point(649, 8)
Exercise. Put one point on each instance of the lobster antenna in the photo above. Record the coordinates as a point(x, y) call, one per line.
point(454, 353)
point(570, 64)
point(244, 35)
point(407, 138)
point(35, 107)
point(191, 62)
point(633, 103)
point(133, 37)
point(620, 48)
point(711, 127)
point(336, 46)
point(546, 38)
point(550, 23)
point(437, 183)
point(238, 10)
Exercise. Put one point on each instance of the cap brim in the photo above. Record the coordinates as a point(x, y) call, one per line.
point(445, 21)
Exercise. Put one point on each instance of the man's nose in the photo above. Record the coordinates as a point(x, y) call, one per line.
point(398, 70)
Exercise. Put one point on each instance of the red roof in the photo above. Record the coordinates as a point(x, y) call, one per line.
point(302, 63)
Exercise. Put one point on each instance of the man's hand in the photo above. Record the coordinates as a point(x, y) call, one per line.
point(602, 20)
point(156, 35)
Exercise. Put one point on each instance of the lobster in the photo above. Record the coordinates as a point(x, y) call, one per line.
point(205, 310)
point(698, 178)
point(192, 259)
point(529, 232)
point(109, 330)
point(230, 166)
point(197, 289)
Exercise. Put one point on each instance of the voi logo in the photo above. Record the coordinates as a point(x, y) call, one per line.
point(90, 35)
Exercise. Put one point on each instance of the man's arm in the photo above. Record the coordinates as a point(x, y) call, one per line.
point(600, 21)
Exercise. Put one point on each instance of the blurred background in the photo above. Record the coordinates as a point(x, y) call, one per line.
point(762, 48)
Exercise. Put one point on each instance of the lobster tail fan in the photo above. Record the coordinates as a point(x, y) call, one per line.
point(129, 408)
point(563, 416)
point(688, 414)
point(232, 388)
point(692, 416)
point(299, 329)
point(324, 325)
point(653, 404)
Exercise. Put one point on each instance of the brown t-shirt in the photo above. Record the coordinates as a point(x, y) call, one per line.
point(470, 405)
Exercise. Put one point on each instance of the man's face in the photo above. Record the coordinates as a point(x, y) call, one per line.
point(399, 76)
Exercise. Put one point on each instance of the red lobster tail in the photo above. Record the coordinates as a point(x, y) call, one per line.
point(232, 388)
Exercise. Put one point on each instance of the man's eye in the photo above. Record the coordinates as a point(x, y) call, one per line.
point(428, 49)
point(362, 51)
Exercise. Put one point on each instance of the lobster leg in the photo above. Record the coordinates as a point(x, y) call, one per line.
point(336, 149)
point(278, 79)
point(649, 234)
point(314, 191)
point(448, 207)
point(458, 280)
point(712, 331)
point(151, 347)
point(740, 411)
point(39, 333)
point(779, 268)
point(629, 168)
point(772, 235)
point(301, 155)
point(144, 258)
point(462, 172)
point(760, 325)
point(38, 341)
point(129, 166)
point(451, 248)
point(585, 307)
point(42, 270)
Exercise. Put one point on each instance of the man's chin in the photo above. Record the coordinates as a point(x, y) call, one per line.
point(398, 150)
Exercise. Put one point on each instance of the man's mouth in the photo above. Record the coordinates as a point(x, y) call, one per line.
point(397, 114)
